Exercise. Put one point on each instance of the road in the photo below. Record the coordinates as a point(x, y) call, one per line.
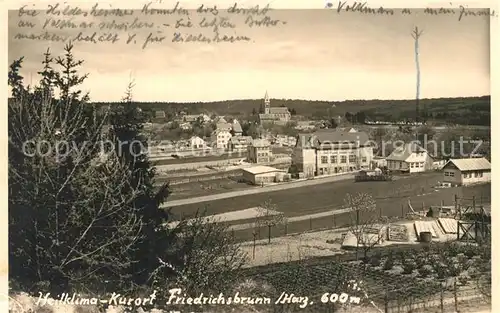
point(239, 193)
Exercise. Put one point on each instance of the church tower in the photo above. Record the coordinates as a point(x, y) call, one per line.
point(267, 104)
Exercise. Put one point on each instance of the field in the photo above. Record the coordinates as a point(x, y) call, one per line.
point(205, 188)
point(328, 196)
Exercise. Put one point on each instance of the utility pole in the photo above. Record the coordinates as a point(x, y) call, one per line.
point(416, 35)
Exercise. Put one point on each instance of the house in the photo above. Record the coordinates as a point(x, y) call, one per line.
point(221, 138)
point(196, 142)
point(260, 151)
point(274, 114)
point(261, 175)
point(236, 128)
point(190, 118)
point(409, 158)
point(329, 151)
point(222, 125)
point(240, 143)
point(185, 126)
point(159, 114)
point(465, 172)
point(346, 129)
point(379, 162)
point(305, 125)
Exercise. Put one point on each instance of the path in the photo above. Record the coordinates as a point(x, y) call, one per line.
point(283, 186)
point(294, 219)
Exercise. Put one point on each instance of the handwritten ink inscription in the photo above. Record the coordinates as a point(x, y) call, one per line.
point(144, 27)
point(362, 7)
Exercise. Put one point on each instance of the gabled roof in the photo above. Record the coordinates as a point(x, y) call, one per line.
point(223, 126)
point(328, 136)
point(471, 164)
point(262, 143)
point(404, 152)
point(278, 110)
point(241, 139)
point(237, 127)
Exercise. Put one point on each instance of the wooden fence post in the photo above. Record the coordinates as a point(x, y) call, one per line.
point(402, 210)
point(286, 228)
point(441, 302)
point(455, 294)
point(386, 302)
point(310, 223)
point(253, 250)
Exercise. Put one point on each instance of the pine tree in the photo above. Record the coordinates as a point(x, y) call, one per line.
point(70, 215)
point(126, 127)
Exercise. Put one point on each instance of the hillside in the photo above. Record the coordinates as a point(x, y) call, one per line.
point(470, 110)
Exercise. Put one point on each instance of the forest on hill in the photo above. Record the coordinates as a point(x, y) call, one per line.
point(466, 110)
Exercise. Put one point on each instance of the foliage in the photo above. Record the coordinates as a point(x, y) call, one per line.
point(84, 216)
point(71, 214)
point(269, 217)
point(465, 111)
point(366, 224)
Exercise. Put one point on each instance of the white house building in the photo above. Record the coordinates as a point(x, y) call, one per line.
point(196, 142)
point(467, 171)
point(221, 138)
point(261, 175)
point(329, 151)
point(410, 158)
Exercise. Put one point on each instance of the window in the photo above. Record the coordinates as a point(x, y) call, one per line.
point(343, 159)
point(333, 159)
point(476, 174)
point(363, 159)
point(352, 158)
point(412, 164)
point(446, 174)
point(452, 174)
point(421, 164)
point(480, 174)
point(324, 159)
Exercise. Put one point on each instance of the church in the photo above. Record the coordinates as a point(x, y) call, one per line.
point(278, 115)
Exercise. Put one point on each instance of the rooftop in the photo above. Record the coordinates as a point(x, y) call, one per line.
point(472, 164)
point(328, 136)
point(261, 169)
point(404, 152)
point(260, 143)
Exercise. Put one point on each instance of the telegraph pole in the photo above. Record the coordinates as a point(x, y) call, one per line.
point(416, 35)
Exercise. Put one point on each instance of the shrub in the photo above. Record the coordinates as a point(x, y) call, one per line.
point(424, 271)
point(389, 262)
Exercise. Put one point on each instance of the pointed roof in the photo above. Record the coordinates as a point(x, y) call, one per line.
point(237, 126)
point(266, 97)
point(404, 152)
point(470, 164)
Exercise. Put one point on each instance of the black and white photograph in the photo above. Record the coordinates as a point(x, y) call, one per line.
point(255, 157)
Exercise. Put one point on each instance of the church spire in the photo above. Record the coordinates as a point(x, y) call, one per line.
point(267, 104)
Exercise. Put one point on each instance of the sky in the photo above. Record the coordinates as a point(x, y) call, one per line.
point(318, 54)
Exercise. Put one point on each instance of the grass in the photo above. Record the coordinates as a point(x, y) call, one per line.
point(205, 188)
point(324, 197)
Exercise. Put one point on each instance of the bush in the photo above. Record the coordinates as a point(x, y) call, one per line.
point(424, 271)
point(389, 262)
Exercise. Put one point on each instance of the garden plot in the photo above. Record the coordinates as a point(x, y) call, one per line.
point(398, 233)
point(368, 237)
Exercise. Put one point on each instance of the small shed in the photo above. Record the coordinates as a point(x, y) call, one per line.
point(467, 171)
point(261, 175)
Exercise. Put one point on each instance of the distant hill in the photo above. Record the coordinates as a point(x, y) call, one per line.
point(470, 110)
